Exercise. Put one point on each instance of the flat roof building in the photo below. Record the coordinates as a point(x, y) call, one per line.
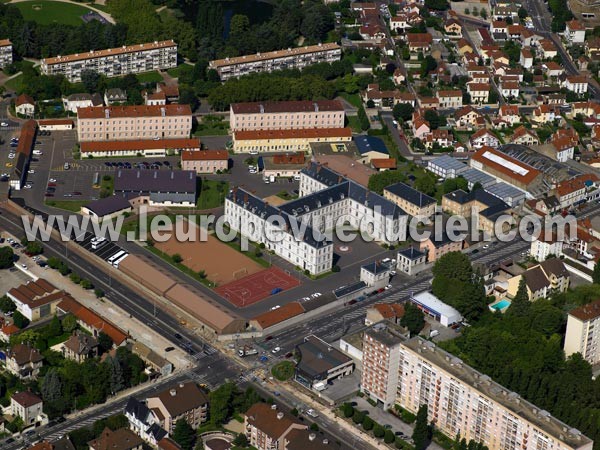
point(286, 140)
point(291, 58)
point(320, 363)
point(114, 62)
point(150, 148)
point(434, 307)
point(583, 332)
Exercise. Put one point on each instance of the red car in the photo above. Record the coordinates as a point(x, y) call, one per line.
point(52, 184)
point(48, 194)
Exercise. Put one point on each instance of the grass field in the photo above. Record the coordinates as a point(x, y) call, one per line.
point(149, 77)
point(212, 193)
point(15, 84)
point(69, 205)
point(47, 12)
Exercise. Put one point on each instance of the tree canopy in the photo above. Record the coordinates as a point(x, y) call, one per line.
point(413, 318)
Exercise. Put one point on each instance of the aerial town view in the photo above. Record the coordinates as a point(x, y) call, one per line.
point(299, 225)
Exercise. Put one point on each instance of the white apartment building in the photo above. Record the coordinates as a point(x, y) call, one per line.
point(450, 99)
point(114, 62)
point(291, 58)
point(576, 83)
point(460, 400)
point(6, 54)
point(544, 246)
point(574, 32)
point(125, 123)
point(292, 115)
point(583, 332)
point(325, 196)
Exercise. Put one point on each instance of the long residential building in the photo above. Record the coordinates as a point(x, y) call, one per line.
point(291, 58)
point(143, 147)
point(292, 115)
point(460, 400)
point(136, 122)
point(268, 141)
point(114, 62)
point(6, 53)
point(325, 197)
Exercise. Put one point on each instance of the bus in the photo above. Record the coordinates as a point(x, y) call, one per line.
point(98, 242)
point(116, 263)
point(116, 256)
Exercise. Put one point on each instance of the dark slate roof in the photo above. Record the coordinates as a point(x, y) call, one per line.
point(349, 289)
point(323, 174)
point(137, 409)
point(411, 253)
point(535, 279)
point(146, 181)
point(261, 208)
point(366, 144)
point(157, 432)
point(108, 205)
point(376, 267)
point(318, 357)
point(411, 195)
point(551, 202)
point(555, 266)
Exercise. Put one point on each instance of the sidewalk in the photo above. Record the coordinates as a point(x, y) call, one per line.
point(136, 329)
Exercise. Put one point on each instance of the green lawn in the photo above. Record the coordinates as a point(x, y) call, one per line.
point(212, 126)
point(283, 371)
point(212, 193)
point(354, 123)
point(15, 84)
point(68, 205)
point(174, 72)
point(149, 77)
point(47, 12)
point(353, 99)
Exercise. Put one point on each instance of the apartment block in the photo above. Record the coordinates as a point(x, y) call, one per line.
point(291, 58)
point(583, 332)
point(114, 62)
point(185, 401)
point(6, 54)
point(460, 400)
point(292, 115)
point(126, 123)
point(412, 201)
point(269, 141)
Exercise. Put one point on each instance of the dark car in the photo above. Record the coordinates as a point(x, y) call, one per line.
point(166, 163)
point(177, 336)
point(108, 164)
point(77, 193)
point(169, 349)
point(9, 441)
point(158, 163)
point(352, 302)
point(268, 338)
point(48, 194)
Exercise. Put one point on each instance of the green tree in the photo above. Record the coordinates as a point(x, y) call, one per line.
point(389, 437)
point(184, 434)
point(520, 304)
point(378, 431)
point(363, 119)
point(379, 181)
point(7, 257)
point(7, 305)
point(522, 13)
point(115, 375)
point(358, 416)
point(221, 403)
point(413, 319)
point(52, 386)
point(426, 184)
point(367, 423)
point(105, 343)
point(595, 274)
point(427, 65)
point(99, 293)
point(90, 79)
point(241, 440)
point(453, 265)
point(54, 327)
point(348, 410)
point(20, 320)
point(433, 118)
point(69, 323)
point(34, 248)
point(403, 111)
point(177, 258)
point(422, 431)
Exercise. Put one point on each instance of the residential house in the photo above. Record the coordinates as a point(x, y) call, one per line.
point(524, 136)
point(542, 280)
point(36, 299)
point(25, 105)
point(426, 103)
point(24, 361)
point(576, 190)
point(480, 204)
point(411, 260)
point(468, 118)
point(28, 407)
point(420, 127)
point(479, 92)
point(121, 439)
point(453, 28)
point(411, 200)
point(526, 58)
point(114, 96)
point(144, 422)
point(450, 98)
point(384, 311)
point(509, 89)
point(575, 83)
point(574, 32)
point(547, 49)
point(80, 346)
point(544, 114)
point(438, 138)
point(419, 42)
point(83, 100)
point(400, 22)
point(463, 47)
point(387, 99)
point(483, 138)
point(509, 113)
point(552, 69)
point(592, 48)
point(185, 401)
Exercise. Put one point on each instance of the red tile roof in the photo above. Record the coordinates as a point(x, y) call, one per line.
point(204, 155)
point(100, 112)
point(526, 178)
point(587, 312)
point(384, 163)
point(55, 122)
point(24, 99)
point(26, 399)
point(278, 315)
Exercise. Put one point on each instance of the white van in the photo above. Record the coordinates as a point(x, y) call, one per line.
point(37, 152)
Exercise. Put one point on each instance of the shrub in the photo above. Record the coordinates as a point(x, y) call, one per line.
point(389, 437)
point(358, 416)
point(368, 423)
point(348, 410)
point(176, 258)
point(378, 431)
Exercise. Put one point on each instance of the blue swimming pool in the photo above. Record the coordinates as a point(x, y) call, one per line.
point(501, 305)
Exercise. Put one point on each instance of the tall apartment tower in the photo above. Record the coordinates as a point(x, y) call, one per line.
point(583, 332)
point(6, 53)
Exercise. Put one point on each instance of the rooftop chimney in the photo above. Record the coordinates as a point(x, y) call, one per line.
point(279, 415)
point(173, 392)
